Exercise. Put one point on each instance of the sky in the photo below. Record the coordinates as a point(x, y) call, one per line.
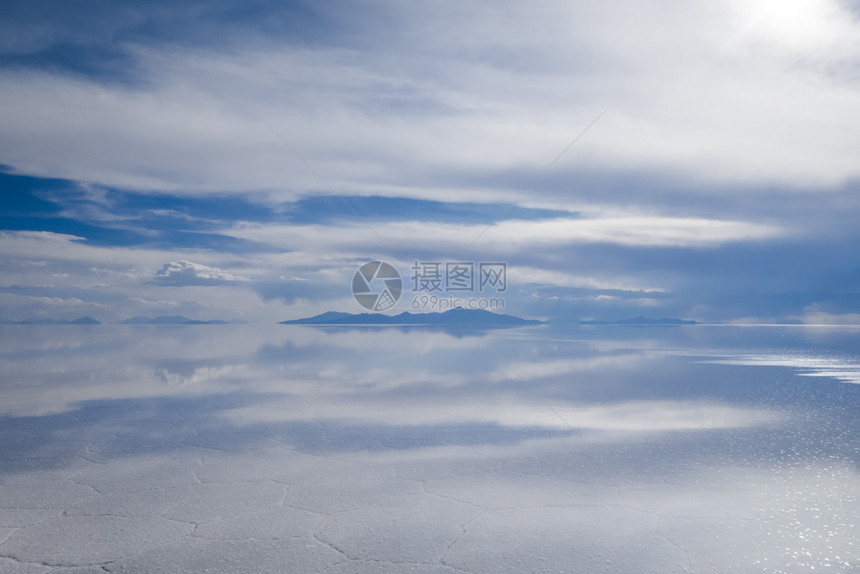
point(241, 160)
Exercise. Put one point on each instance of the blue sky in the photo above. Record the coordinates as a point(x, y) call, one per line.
point(146, 164)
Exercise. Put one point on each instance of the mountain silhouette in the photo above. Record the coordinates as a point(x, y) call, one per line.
point(454, 317)
point(47, 321)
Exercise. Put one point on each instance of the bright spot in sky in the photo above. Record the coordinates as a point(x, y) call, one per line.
point(796, 25)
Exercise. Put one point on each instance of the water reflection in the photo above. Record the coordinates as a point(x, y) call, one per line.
point(661, 449)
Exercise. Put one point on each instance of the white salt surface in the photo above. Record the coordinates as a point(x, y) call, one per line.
point(163, 478)
point(85, 540)
point(498, 521)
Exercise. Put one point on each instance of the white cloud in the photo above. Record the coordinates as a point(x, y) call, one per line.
point(117, 282)
point(815, 315)
point(522, 275)
point(753, 92)
point(179, 273)
point(514, 236)
point(731, 93)
point(652, 231)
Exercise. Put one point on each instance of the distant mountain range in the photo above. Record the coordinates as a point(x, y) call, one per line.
point(454, 317)
point(41, 321)
point(170, 320)
point(460, 317)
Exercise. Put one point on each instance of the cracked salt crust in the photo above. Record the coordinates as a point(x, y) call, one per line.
point(100, 495)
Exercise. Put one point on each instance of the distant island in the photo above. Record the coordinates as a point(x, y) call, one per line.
point(43, 321)
point(457, 318)
point(454, 317)
point(170, 320)
point(642, 321)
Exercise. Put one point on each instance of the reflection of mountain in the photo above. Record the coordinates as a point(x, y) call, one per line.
point(170, 320)
point(78, 321)
point(454, 317)
point(642, 321)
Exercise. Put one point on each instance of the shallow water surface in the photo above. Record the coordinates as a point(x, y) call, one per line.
point(296, 449)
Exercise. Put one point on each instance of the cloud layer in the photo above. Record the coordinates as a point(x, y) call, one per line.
point(707, 153)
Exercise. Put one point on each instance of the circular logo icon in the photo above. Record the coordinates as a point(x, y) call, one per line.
point(377, 286)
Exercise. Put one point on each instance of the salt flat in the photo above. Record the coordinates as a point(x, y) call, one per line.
point(591, 465)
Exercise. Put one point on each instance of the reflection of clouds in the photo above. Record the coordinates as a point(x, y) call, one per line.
point(46, 396)
point(844, 370)
point(200, 374)
point(281, 371)
point(345, 458)
point(382, 378)
point(511, 411)
point(51, 370)
point(48, 370)
point(542, 369)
